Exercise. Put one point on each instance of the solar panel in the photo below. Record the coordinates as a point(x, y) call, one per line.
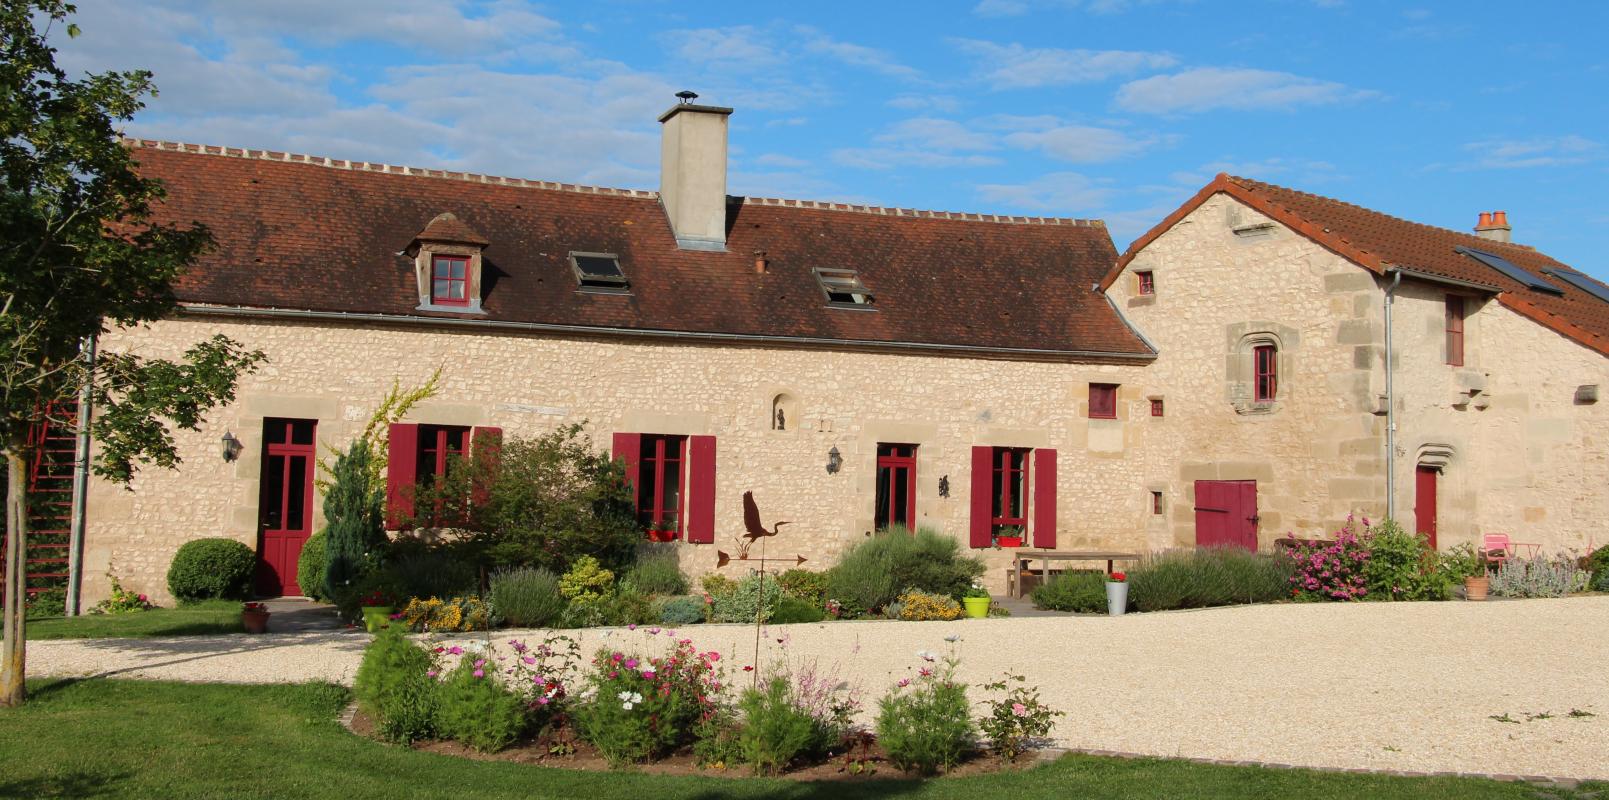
point(1582, 282)
point(1507, 267)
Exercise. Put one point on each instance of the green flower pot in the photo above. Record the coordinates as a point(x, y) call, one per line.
point(376, 617)
point(977, 607)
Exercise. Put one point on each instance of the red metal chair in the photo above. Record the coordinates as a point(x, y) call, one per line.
point(1496, 548)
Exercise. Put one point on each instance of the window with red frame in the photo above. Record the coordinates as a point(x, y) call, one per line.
point(1156, 502)
point(449, 280)
point(896, 485)
point(659, 486)
point(1156, 406)
point(1103, 401)
point(438, 446)
point(1009, 506)
point(1147, 281)
point(1455, 330)
point(1266, 362)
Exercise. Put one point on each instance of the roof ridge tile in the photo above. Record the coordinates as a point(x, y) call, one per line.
point(476, 177)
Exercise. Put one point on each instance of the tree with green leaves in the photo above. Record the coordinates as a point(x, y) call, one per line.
point(82, 254)
point(353, 518)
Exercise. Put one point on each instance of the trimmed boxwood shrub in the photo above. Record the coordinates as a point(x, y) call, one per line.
point(214, 568)
point(1598, 563)
point(792, 609)
point(310, 567)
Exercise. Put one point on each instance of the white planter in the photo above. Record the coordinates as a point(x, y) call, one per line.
point(1117, 598)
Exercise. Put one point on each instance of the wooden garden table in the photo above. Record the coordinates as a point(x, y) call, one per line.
point(1021, 558)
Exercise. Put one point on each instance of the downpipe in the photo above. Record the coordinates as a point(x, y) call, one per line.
point(75, 549)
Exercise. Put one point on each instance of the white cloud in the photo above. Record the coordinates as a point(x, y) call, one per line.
point(743, 45)
point(1081, 143)
point(937, 134)
point(1299, 171)
point(779, 160)
point(1538, 152)
point(853, 55)
point(890, 157)
point(1208, 88)
point(941, 103)
point(1013, 66)
point(1060, 193)
point(1014, 8)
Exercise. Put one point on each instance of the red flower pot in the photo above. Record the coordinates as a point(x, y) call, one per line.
point(255, 620)
point(1009, 541)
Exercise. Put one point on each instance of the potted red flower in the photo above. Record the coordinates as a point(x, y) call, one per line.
point(1009, 536)
point(662, 531)
point(1117, 593)
point(377, 610)
point(254, 617)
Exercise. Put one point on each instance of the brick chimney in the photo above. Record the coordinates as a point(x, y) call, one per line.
point(692, 173)
point(1493, 225)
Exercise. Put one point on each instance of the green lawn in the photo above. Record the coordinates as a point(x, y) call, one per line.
point(196, 619)
point(137, 739)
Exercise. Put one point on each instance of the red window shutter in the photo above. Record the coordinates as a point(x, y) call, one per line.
point(627, 447)
point(982, 495)
point(701, 489)
point(486, 450)
point(1044, 510)
point(401, 472)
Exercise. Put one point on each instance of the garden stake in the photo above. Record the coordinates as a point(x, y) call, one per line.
point(756, 531)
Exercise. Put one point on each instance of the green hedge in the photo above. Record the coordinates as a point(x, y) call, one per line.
point(207, 569)
point(310, 567)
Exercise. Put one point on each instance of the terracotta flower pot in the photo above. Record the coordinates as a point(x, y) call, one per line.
point(1476, 588)
point(255, 621)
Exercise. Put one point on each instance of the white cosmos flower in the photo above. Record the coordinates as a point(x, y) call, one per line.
point(636, 697)
point(624, 696)
point(626, 706)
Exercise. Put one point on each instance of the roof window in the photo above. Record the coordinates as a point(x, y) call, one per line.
point(599, 272)
point(1507, 267)
point(843, 288)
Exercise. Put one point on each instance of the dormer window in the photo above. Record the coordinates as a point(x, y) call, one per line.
point(447, 262)
point(843, 288)
point(449, 280)
point(599, 272)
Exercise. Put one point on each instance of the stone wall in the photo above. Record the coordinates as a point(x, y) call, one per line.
point(530, 384)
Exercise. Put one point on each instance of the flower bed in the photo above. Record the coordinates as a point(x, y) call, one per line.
point(661, 700)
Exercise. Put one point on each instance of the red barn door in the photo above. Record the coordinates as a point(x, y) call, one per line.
point(1226, 514)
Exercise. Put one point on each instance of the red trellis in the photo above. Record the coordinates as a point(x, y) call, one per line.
point(53, 443)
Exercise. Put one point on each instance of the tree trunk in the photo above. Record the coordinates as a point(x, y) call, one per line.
point(13, 651)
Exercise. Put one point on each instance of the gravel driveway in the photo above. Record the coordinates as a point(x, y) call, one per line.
point(1409, 686)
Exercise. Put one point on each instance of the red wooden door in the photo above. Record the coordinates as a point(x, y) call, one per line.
point(1424, 503)
point(285, 507)
point(1226, 514)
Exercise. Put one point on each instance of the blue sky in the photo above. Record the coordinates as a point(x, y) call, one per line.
point(1115, 109)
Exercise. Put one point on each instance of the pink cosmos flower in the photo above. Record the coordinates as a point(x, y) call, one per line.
point(712, 656)
point(430, 673)
point(654, 631)
point(480, 662)
point(480, 673)
point(529, 659)
point(1019, 709)
point(541, 701)
point(904, 682)
point(455, 650)
point(631, 663)
point(631, 626)
point(926, 673)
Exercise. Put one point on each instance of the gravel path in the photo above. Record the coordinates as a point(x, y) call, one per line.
point(1405, 686)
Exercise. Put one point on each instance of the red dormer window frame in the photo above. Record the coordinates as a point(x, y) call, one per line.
point(1147, 281)
point(437, 280)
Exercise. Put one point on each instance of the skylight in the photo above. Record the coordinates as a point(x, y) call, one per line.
point(843, 287)
point(598, 271)
point(1506, 267)
point(1582, 282)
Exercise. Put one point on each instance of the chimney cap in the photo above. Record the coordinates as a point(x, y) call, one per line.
point(1484, 221)
point(687, 95)
point(686, 106)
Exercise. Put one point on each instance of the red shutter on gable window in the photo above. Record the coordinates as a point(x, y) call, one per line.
point(1044, 498)
point(486, 449)
point(982, 496)
point(701, 489)
point(627, 448)
point(401, 471)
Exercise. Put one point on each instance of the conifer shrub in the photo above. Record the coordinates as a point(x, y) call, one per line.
point(212, 569)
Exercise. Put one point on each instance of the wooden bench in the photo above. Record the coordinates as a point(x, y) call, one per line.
point(1021, 559)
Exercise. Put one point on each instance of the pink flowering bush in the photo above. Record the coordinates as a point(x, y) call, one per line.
point(1333, 571)
point(1016, 717)
point(636, 708)
point(925, 724)
point(476, 706)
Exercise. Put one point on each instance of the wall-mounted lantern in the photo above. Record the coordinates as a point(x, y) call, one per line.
point(835, 460)
point(944, 486)
point(231, 447)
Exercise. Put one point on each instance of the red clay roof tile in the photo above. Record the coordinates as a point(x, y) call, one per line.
point(319, 234)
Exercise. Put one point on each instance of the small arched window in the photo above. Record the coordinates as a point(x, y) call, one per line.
point(1265, 378)
point(1259, 365)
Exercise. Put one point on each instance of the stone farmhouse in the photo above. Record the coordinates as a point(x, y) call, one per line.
point(1261, 364)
